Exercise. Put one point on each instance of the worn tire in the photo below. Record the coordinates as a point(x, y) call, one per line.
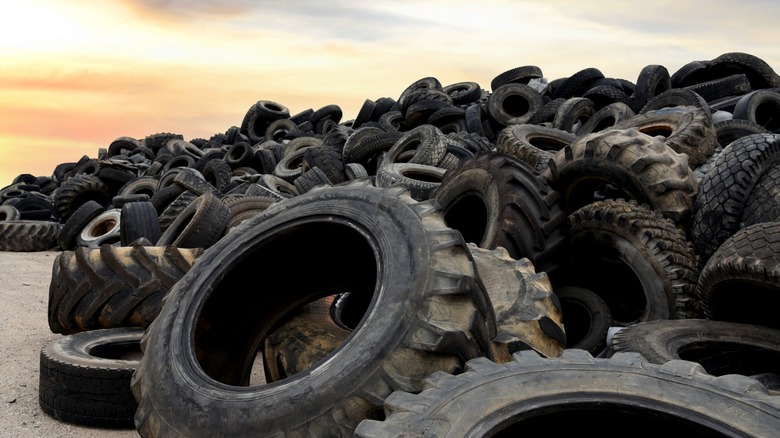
point(741, 281)
point(426, 311)
point(534, 144)
point(720, 347)
point(495, 200)
point(84, 378)
point(586, 317)
point(29, 236)
point(200, 225)
point(538, 396)
point(107, 287)
point(639, 166)
point(138, 219)
point(648, 268)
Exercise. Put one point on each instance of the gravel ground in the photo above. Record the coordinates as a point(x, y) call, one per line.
point(24, 291)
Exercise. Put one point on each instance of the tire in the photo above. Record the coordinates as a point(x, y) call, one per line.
point(676, 97)
point(731, 130)
point(741, 281)
point(652, 81)
point(649, 269)
point(605, 118)
point(495, 200)
point(586, 317)
point(528, 316)
point(623, 163)
point(533, 144)
point(244, 207)
point(763, 202)
point(138, 219)
point(423, 144)
point(686, 129)
point(84, 378)
point(420, 179)
point(761, 107)
point(200, 225)
point(310, 179)
point(9, 213)
point(718, 346)
point(576, 84)
point(513, 103)
point(28, 236)
point(328, 159)
point(724, 189)
point(573, 113)
point(411, 326)
point(108, 287)
point(76, 223)
point(174, 207)
point(77, 190)
point(537, 396)
point(103, 229)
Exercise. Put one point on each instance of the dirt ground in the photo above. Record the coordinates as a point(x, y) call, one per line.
point(24, 330)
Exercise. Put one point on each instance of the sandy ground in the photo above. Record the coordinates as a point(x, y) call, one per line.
point(24, 330)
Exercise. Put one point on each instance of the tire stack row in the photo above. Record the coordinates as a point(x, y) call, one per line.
point(560, 243)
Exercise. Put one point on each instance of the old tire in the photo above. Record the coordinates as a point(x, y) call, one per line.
point(535, 396)
point(29, 236)
point(109, 286)
point(426, 311)
point(84, 378)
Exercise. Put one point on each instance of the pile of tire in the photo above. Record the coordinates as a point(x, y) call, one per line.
point(451, 262)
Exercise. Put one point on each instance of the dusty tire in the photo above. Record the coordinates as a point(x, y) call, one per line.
point(535, 396)
point(420, 179)
point(84, 378)
point(108, 287)
point(76, 223)
point(77, 190)
point(763, 202)
point(586, 317)
point(648, 269)
point(528, 315)
point(495, 200)
point(102, 229)
point(427, 311)
point(533, 144)
point(200, 225)
point(741, 281)
point(639, 166)
point(687, 130)
point(29, 236)
point(720, 347)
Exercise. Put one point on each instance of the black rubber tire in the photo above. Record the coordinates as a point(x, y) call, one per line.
point(495, 200)
point(138, 219)
point(513, 103)
point(218, 173)
point(420, 179)
point(520, 75)
point(174, 207)
point(639, 166)
point(528, 314)
point(463, 93)
point(423, 144)
point(76, 223)
point(310, 179)
point(259, 116)
point(84, 378)
point(741, 281)
point(111, 286)
point(760, 74)
point(763, 202)
point(721, 89)
point(573, 113)
point(648, 268)
point(676, 97)
point(761, 107)
point(328, 160)
point(605, 118)
point(28, 236)
point(102, 229)
point(576, 84)
point(394, 252)
point(244, 207)
point(586, 318)
point(200, 225)
point(79, 189)
point(720, 347)
point(653, 80)
point(534, 396)
point(732, 130)
point(686, 129)
point(725, 188)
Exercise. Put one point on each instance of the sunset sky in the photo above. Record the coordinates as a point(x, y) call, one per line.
point(76, 75)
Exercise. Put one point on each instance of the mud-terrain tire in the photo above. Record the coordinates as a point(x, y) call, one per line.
point(107, 287)
point(725, 188)
point(84, 378)
point(741, 281)
point(426, 310)
point(648, 268)
point(721, 347)
point(79, 189)
point(535, 396)
point(640, 167)
point(29, 236)
point(687, 130)
point(494, 200)
point(763, 202)
point(528, 315)
point(534, 144)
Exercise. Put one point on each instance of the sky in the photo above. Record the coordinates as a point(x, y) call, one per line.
point(77, 74)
